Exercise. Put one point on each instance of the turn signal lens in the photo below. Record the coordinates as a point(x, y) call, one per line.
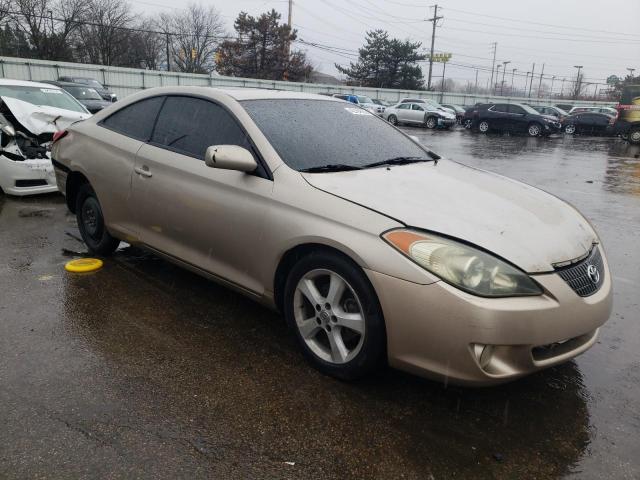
point(462, 266)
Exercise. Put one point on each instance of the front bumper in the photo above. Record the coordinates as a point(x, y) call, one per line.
point(27, 177)
point(438, 331)
point(446, 122)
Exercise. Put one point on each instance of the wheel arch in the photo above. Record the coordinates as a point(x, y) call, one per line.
point(291, 257)
point(75, 180)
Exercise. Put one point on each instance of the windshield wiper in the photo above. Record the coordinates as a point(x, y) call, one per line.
point(400, 161)
point(335, 167)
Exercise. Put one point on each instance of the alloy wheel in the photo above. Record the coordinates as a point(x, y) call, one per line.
point(634, 136)
point(483, 127)
point(393, 120)
point(570, 129)
point(329, 316)
point(431, 122)
point(534, 130)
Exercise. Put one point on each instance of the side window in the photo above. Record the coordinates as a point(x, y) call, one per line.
point(135, 120)
point(417, 107)
point(516, 109)
point(404, 106)
point(190, 125)
point(500, 107)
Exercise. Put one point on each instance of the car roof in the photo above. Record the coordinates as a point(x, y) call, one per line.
point(25, 83)
point(65, 84)
point(265, 94)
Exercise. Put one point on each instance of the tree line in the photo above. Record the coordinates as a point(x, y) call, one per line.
point(193, 40)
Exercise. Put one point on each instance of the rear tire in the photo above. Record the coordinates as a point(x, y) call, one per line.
point(335, 314)
point(570, 129)
point(91, 223)
point(634, 136)
point(483, 126)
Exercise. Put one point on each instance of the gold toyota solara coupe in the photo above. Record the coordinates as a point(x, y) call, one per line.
point(373, 247)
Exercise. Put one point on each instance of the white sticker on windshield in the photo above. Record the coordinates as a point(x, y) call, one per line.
point(50, 90)
point(356, 111)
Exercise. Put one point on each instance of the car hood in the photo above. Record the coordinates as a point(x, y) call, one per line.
point(529, 227)
point(95, 104)
point(39, 119)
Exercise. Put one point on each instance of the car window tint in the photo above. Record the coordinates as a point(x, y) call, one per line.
point(404, 106)
point(516, 109)
point(417, 107)
point(191, 125)
point(500, 108)
point(135, 120)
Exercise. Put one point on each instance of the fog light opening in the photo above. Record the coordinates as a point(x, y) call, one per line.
point(483, 354)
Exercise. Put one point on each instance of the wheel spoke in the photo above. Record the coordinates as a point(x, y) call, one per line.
point(339, 351)
point(352, 321)
point(309, 290)
point(336, 289)
point(309, 328)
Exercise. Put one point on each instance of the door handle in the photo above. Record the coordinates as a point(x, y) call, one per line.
point(144, 171)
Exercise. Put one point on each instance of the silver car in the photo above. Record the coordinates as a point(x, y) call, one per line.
point(423, 114)
point(385, 254)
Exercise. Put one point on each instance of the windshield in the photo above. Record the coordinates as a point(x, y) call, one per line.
point(529, 109)
point(362, 99)
point(322, 132)
point(41, 96)
point(83, 93)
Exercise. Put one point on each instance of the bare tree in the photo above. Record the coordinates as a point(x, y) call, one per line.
point(148, 45)
point(195, 34)
point(48, 25)
point(105, 38)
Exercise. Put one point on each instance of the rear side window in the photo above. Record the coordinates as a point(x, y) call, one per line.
point(135, 120)
point(516, 109)
point(190, 125)
point(500, 108)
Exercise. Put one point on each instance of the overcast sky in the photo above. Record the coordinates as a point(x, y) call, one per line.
point(602, 36)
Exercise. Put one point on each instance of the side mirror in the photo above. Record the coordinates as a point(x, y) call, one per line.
point(230, 157)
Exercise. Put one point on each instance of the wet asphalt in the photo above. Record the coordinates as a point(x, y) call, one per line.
point(144, 370)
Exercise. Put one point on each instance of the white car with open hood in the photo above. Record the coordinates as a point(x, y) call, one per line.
point(30, 114)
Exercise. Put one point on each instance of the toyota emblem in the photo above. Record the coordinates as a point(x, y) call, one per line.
point(593, 274)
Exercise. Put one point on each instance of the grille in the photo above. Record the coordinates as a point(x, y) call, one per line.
point(578, 276)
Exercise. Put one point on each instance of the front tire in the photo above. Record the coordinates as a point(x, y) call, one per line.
point(335, 314)
point(431, 123)
point(534, 129)
point(483, 126)
point(634, 136)
point(91, 223)
point(393, 120)
point(570, 129)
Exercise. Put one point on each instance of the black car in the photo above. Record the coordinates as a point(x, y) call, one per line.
point(516, 118)
point(104, 92)
point(458, 110)
point(589, 123)
point(87, 96)
point(470, 117)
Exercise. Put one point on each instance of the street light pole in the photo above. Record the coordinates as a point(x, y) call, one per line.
point(578, 83)
point(433, 41)
point(494, 86)
point(553, 79)
point(513, 74)
point(504, 69)
point(631, 70)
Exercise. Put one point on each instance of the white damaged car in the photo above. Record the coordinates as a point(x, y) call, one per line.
point(30, 114)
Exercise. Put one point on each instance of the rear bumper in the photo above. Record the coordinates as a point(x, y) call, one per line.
point(439, 332)
point(27, 177)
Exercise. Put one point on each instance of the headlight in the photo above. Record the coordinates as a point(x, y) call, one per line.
point(462, 266)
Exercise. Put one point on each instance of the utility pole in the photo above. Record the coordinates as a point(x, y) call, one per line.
point(533, 69)
point(167, 43)
point(576, 90)
point(290, 10)
point(476, 87)
point(553, 79)
point(287, 51)
point(631, 70)
point(494, 86)
point(562, 88)
point(513, 74)
point(540, 83)
point(504, 69)
point(433, 41)
point(444, 67)
point(493, 65)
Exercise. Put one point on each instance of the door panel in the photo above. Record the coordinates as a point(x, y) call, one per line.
point(211, 218)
